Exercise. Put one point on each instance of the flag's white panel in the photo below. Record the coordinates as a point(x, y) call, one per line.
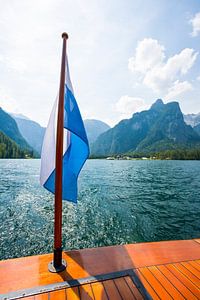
point(67, 78)
point(49, 146)
point(66, 140)
point(75, 145)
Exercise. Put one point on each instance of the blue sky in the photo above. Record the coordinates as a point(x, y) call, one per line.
point(123, 55)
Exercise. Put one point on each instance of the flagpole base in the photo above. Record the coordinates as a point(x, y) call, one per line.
point(57, 269)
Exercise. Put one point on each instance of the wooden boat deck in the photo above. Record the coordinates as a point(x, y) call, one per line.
point(157, 270)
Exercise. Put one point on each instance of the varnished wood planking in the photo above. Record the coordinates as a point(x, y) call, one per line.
point(169, 281)
point(117, 289)
point(163, 252)
point(173, 292)
point(58, 295)
point(86, 292)
point(99, 291)
point(191, 269)
point(111, 290)
point(33, 271)
point(148, 287)
point(73, 293)
point(195, 265)
point(177, 283)
point(182, 278)
point(157, 286)
point(197, 261)
point(123, 289)
point(133, 288)
point(180, 274)
point(188, 274)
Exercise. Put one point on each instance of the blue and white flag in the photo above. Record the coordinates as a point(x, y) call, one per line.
point(75, 146)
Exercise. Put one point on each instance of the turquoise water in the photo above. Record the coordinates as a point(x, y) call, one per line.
point(119, 202)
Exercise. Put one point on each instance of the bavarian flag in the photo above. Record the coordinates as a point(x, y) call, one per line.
point(75, 145)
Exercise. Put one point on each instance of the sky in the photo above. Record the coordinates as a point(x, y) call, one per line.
point(123, 55)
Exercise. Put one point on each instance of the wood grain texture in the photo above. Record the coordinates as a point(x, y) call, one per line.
point(58, 295)
point(111, 290)
point(123, 289)
point(73, 293)
point(186, 281)
point(133, 288)
point(173, 292)
point(169, 281)
point(28, 272)
point(190, 267)
point(167, 270)
point(177, 283)
point(188, 274)
point(148, 287)
point(195, 265)
point(86, 292)
point(99, 291)
point(156, 285)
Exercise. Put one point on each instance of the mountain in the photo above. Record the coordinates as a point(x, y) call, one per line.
point(9, 149)
point(34, 133)
point(159, 128)
point(20, 116)
point(31, 131)
point(197, 128)
point(94, 128)
point(192, 119)
point(9, 127)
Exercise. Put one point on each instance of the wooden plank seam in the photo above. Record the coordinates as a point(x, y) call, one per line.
point(76, 282)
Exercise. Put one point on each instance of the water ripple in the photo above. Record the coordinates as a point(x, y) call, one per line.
point(119, 202)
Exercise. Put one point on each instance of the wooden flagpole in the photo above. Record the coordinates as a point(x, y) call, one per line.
point(58, 264)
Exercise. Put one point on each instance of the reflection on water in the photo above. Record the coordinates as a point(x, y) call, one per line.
point(119, 202)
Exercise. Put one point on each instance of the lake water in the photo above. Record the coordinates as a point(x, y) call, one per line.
point(119, 202)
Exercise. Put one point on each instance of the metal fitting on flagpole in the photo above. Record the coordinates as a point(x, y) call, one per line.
point(65, 35)
point(55, 266)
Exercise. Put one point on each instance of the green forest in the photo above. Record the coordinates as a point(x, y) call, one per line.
point(9, 149)
point(176, 154)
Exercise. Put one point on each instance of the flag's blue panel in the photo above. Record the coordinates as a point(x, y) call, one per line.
point(76, 148)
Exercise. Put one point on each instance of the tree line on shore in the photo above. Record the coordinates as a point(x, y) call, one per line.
point(179, 154)
point(9, 149)
point(175, 154)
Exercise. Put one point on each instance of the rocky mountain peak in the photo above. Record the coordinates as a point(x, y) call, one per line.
point(160, 128)
point(158, 105)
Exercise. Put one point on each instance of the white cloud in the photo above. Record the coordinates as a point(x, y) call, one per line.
point(126, 106)
point(17, 65)
point(30, 52)
point(177, 89)
point(148, 54)
point(162, 77)
point(198, 78)
point(159, 74)
point(196, 25)
point(7, 102)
